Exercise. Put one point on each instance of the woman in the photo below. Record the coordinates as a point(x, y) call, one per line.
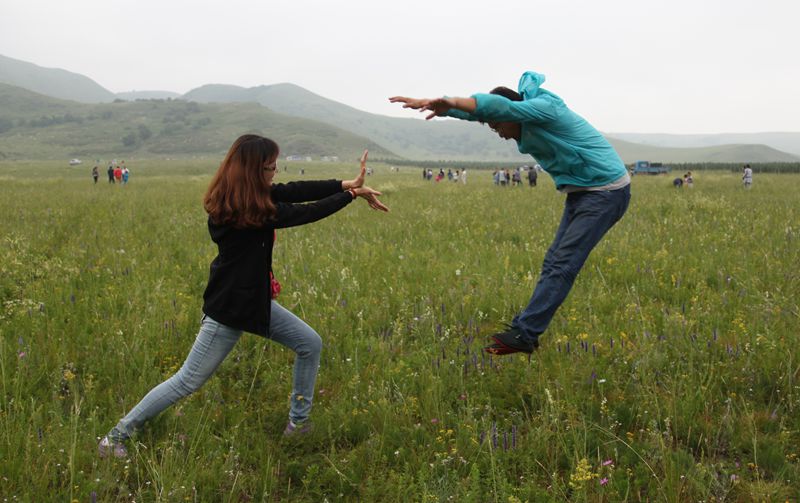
point(244, 208)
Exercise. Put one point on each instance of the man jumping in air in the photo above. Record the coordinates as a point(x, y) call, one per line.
point(583, 165)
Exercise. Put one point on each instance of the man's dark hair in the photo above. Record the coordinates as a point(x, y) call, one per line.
point(506, 93)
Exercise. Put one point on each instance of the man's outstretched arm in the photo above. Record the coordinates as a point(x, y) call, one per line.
point(439, 107)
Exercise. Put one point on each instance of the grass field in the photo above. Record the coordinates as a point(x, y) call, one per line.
point(670, 374)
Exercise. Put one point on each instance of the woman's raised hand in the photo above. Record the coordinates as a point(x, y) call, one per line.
point(359, 180)
point(357, 185)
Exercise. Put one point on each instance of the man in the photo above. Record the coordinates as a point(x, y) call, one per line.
point(583, 165)
point(532, 174)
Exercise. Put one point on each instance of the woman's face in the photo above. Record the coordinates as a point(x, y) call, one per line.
point(270, 167)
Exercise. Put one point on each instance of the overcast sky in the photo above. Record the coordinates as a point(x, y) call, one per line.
point(678, 66)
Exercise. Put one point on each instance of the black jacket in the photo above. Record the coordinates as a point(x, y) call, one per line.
point(238, 293)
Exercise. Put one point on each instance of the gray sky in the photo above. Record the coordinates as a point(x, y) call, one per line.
point(678, 66)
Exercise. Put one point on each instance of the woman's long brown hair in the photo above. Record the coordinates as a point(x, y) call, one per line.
point(239, 194)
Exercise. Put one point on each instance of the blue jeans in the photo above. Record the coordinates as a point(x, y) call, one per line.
point(213, 343)
point(587, 217)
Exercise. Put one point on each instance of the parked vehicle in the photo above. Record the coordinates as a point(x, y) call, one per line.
point(650, 168)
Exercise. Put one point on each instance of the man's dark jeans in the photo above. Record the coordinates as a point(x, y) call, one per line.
point(587, 217)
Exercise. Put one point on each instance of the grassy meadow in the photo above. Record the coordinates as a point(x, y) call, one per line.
point(670, 374)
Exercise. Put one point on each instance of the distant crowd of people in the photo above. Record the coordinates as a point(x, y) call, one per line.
point(460, 175)
point(117, 173)
point(506, 177)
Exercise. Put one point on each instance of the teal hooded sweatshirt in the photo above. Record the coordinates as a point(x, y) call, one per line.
point(563, 143)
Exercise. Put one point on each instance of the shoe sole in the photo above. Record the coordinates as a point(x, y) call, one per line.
point(502, 348)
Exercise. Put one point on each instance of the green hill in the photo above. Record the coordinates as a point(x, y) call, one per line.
point(33, 126)
point(52, 82)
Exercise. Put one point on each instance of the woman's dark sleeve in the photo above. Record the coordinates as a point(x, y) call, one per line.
point(300, 192)
point(290, 215)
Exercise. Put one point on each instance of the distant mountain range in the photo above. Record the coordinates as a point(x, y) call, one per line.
point(313, 123)
point(787, 142)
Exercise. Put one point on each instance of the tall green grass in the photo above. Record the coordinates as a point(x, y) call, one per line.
point(670, 374)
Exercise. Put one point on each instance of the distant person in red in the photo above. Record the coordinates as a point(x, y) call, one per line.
point(118, 174)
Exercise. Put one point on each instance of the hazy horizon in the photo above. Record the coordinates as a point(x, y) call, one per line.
point(664, 67)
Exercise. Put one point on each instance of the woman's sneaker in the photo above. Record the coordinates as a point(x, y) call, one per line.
point(107, 448)
point(297, 429)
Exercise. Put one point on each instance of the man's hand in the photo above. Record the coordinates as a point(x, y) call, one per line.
point(413, 103)
point(438, 106)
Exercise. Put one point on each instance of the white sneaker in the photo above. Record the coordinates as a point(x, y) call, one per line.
point(107, 447)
